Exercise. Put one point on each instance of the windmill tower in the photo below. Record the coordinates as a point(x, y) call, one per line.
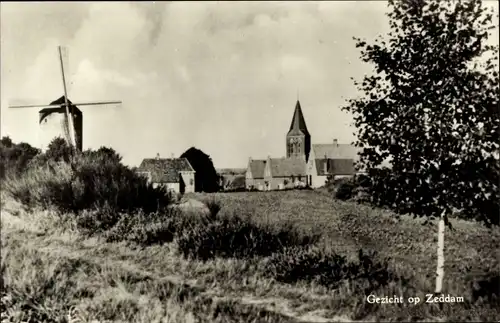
point(62, 118)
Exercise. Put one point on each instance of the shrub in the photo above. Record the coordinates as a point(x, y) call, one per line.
point(345, 190)
point(88, 181)
point(314, 264)
point(144, 229)
point(487, 288)
point(234, 236)
point(15, 158)
point(213, 206)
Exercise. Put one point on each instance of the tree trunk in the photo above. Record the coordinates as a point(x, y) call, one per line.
point(440, 256)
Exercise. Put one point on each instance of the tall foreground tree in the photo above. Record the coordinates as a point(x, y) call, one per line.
point(432, 109)
point(205, 178)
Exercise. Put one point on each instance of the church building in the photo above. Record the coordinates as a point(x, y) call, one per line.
point(305, 164)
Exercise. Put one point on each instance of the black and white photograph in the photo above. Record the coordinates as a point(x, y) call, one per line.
point(250, 161)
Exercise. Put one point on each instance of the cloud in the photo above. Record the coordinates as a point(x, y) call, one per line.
point(220, 76)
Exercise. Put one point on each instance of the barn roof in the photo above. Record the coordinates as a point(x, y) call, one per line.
point(287, 167)
point(336, 151)
point(334, 166)
point(298, 125)
point(257, 168)
point(165, 170)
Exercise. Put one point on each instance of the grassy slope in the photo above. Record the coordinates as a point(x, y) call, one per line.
point(51, 271)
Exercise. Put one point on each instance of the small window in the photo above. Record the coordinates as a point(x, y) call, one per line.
point(191, 182)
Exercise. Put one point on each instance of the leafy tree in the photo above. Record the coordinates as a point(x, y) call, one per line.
point(15, 157)
point(105, 152)
point(6, 142)
point(59, 150)
point(431, 108)
point(206, 178)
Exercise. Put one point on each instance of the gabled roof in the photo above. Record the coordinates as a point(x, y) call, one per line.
point(165, 170)
point(298, 125)
point(257, 168)
point(287, 167)
point(334, 166)
point(336, 151)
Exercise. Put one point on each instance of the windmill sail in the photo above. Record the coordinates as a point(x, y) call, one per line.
point(69, 117)
point(61, 118)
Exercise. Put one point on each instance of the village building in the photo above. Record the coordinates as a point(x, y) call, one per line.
point(175, 174)
point(254, 176)
point(331, 161)
point(284, 173)
point(305, 164)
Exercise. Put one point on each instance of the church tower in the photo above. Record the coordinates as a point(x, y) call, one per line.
point(298, 139)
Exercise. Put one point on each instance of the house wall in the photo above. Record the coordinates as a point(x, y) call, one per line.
point(257, 183)
point(171, 187)
point(314, 180)
point(318, 181)
point(188, 178)
point(277, 183)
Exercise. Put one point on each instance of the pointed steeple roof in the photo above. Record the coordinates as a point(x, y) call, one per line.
point(298, 126)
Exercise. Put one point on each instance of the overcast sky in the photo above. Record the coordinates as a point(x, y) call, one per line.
point(219, 76)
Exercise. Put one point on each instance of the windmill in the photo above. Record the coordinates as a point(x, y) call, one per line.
point(65, 126)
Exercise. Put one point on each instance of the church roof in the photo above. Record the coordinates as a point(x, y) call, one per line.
point(298, 125)
point(165, 170)
point(257, 168)
point(334, 166)
point(336, 151)
point(287, 167)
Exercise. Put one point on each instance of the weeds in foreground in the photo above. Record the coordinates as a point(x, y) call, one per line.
point(314, 264)
point(232, 236)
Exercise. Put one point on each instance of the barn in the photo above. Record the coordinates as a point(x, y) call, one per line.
point(176, 174)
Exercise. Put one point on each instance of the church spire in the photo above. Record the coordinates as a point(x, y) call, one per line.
point(298, 125)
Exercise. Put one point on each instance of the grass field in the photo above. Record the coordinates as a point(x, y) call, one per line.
point(53, 273)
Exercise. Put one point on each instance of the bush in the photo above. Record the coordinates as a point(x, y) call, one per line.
point(345, 190)
point(314, 264)
point(234, 236)
point(214, 207)
point(87, 182)
point(144, 229)
point(15, 158)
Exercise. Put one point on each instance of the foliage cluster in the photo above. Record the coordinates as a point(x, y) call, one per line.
point(431, 109)
point(90, 180)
